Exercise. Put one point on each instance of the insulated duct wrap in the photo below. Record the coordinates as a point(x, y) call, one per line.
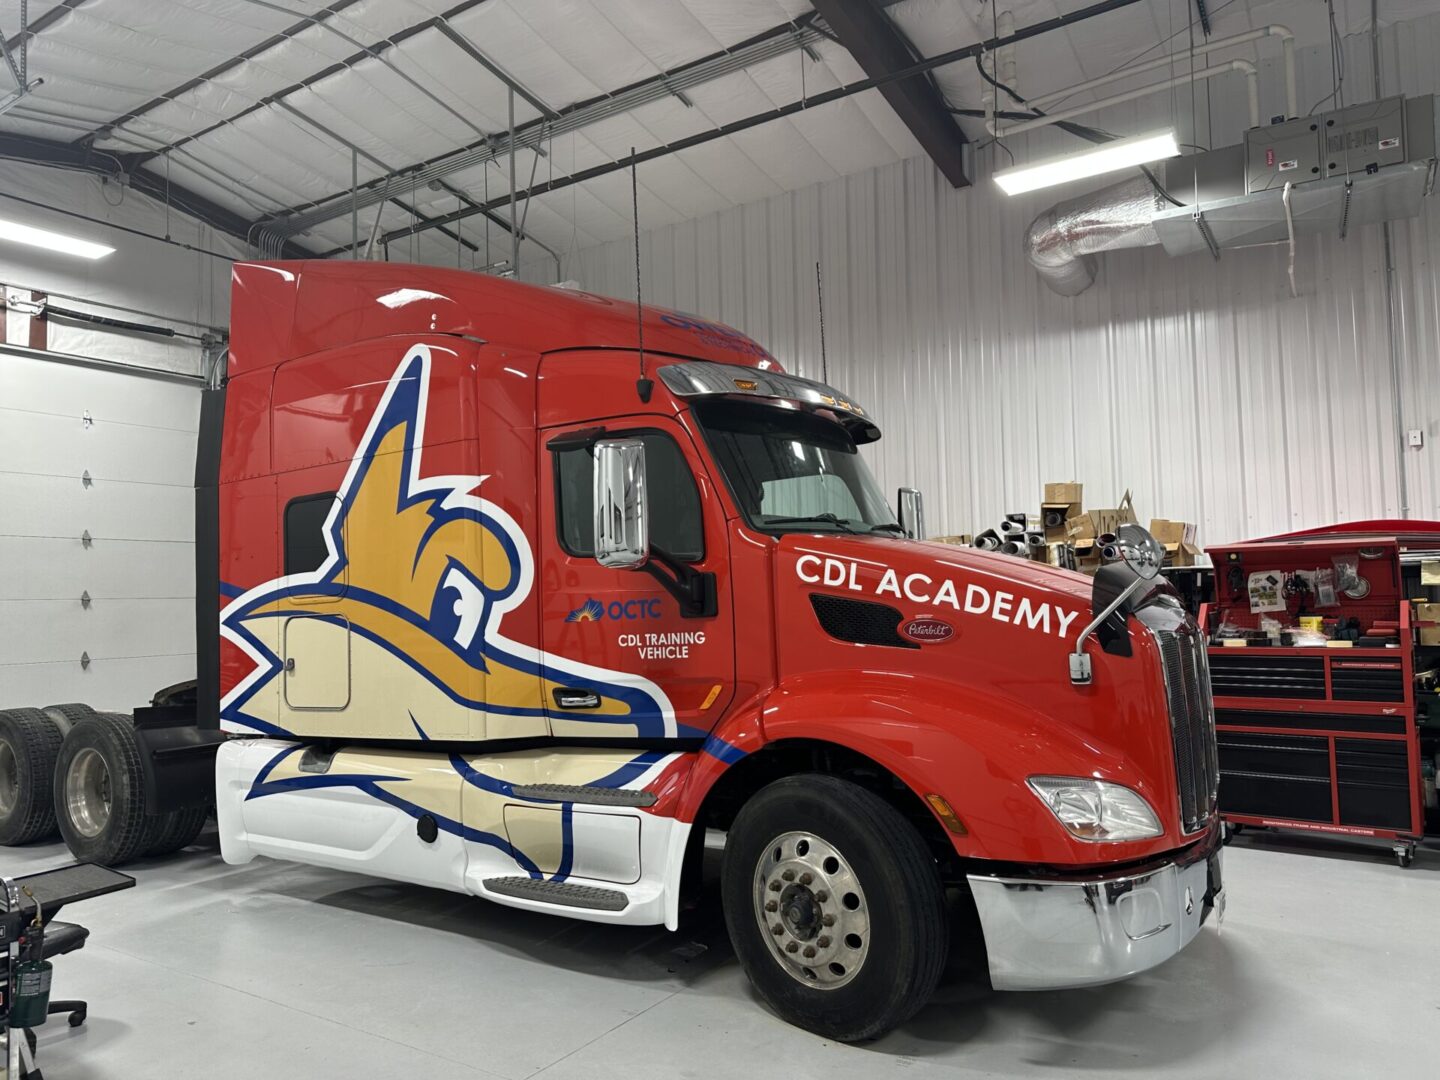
point(1062, 242)
point(988, 540)
point(1014, 547)
point(1012, 530)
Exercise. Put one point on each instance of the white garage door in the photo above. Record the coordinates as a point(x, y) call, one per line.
point(135, 437)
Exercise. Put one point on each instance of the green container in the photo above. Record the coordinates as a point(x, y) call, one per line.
point(31, 1000)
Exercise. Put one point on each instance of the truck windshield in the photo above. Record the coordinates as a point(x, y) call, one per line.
point(793, 471)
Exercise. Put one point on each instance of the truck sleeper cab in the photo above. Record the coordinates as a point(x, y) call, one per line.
point(511, 609)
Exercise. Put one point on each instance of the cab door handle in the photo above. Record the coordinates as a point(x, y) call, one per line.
point(566, 698)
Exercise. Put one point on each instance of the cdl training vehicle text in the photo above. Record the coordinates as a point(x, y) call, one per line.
point(509, 607)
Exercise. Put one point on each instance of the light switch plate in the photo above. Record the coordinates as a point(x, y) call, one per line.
point(1415, 437)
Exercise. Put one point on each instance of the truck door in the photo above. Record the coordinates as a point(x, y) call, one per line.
point(621, 660)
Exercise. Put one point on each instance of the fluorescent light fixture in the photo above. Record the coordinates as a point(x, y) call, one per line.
point(52, 241)
point(1105, 158)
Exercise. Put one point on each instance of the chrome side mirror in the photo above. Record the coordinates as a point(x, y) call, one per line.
point(622, 515)
point(912, 512)
point(1143, 555)
point(1141, 551)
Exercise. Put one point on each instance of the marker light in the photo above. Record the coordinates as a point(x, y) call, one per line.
point(1105, 158)
point(52, 241)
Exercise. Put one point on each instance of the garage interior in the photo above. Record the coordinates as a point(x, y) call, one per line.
point(1012, 500)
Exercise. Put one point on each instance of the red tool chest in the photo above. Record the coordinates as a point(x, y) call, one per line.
point(1320, 738)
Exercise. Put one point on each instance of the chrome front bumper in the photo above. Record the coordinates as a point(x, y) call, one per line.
point(1051, 934)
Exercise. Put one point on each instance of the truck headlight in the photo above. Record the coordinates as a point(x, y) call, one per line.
point(1094, 810)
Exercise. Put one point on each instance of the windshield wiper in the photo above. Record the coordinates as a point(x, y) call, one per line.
point(826, 518)
point(889, 526)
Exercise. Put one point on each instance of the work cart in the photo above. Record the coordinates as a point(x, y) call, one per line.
point(1323, 680)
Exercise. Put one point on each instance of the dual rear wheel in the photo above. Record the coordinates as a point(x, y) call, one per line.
point(73, 769)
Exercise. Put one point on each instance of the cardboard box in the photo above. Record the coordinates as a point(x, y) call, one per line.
point(1079, 528)
point(962, 540)
point(1095, 523)
point(1178, 539)
point(1087, 555)
point(1064, 493)
point(1430, 635)
point(1053, 516)
point(1426, 612)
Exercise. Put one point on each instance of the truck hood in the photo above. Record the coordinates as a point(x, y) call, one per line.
point(966, 588)
point(954, 632)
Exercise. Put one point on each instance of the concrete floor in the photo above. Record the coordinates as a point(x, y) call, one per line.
point(1328, 965)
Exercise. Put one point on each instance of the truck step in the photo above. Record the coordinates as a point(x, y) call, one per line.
point(559, 892)
point(583, 793)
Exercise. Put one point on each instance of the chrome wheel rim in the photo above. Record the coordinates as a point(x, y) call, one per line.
point(9, 779)
point(87, 793)
point(811, 910)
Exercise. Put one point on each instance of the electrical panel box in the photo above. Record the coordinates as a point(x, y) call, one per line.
point(1364, 136)
point(1282, 153)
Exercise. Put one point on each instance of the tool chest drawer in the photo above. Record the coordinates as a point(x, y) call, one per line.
point(1275, 776)
point(1367, 680)
point(1374, 783)
point(1266, 676)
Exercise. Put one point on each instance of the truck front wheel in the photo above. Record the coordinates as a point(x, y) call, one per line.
point(834, 906)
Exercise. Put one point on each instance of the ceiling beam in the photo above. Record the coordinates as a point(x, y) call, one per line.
point(43, 23)
point(28, 149)
point(220, 69)
point(365, 52)
point(954, 56)
point(877, 46)
point(778, 40)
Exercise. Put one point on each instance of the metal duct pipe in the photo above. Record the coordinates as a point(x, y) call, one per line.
point(1252, 80)
point(988, 540)
point(1063, 241)
point(1014, 547)
point(1287, 40)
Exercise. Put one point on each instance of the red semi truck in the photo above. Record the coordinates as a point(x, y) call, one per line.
point(512, 604)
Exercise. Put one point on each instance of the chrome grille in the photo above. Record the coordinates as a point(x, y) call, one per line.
point(1192, 721)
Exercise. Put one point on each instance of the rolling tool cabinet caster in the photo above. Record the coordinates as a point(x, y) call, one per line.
point(1404, 854)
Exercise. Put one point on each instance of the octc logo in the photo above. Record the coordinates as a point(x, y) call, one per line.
point(617, 610)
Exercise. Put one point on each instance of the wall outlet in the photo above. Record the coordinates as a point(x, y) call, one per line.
point(1415, 437)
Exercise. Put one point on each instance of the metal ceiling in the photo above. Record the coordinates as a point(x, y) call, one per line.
point(315, 125)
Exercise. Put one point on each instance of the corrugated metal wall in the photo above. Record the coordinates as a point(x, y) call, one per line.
point(1201, 386)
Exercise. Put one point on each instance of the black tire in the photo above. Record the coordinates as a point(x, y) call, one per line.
point(178, 829)
point(68, 715)
point(903, 900)
point(124, 830)
point(29, 744)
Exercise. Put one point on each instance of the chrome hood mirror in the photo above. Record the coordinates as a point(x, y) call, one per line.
point(1140, 551)
point(1139, 556)
point(622, 514)
point(911, 505)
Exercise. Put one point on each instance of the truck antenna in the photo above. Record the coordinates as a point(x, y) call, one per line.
point(820, 298)
point(643, 386)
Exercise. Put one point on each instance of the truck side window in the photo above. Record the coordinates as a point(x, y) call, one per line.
point(676, 525)
point(305, 516)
